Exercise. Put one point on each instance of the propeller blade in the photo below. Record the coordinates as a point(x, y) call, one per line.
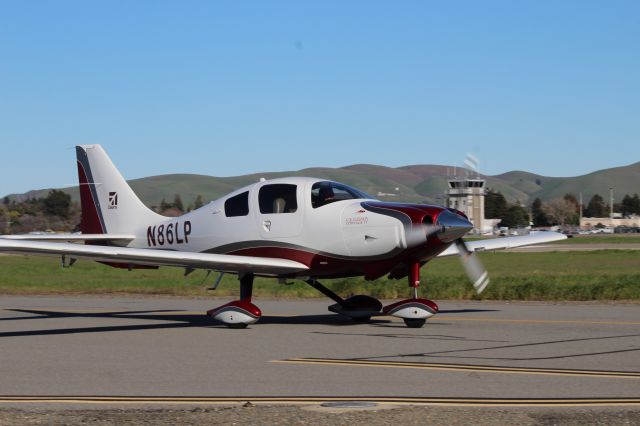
point(472, 265)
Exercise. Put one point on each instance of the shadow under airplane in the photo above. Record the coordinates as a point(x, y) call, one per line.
point(170, 319)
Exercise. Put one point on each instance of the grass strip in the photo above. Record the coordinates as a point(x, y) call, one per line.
point(549, 276)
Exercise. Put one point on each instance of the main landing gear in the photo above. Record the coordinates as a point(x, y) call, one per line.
point(360, 308)
point(239, 313)
point(414, 311)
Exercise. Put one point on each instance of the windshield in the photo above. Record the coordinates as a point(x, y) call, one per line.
point(323, 193)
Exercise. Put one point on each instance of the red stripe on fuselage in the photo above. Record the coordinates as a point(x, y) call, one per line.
point(324, 266)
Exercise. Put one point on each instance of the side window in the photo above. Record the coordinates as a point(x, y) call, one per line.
point(237, 205)
point(278, 198)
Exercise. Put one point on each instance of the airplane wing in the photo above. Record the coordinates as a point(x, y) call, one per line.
point(507, 242)
point(136, 256)
point(70, 237)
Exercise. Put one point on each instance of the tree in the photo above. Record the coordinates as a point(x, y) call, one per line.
point(515, 216)
point(177, 202)
point(495, 205)
point(4, 220)
point(573, 200)
point(596, 207)
point(198, 202)
point(6, 201)
point(164, 205)
point(630, 205)
point(539, 216)
point(560, 211)
point(57, 203)
point(575, 218)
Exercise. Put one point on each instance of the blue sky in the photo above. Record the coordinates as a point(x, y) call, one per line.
point(232, 87)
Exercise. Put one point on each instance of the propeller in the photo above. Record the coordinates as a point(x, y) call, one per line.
point(472, 265)
point(419, 233)
point(451, 227)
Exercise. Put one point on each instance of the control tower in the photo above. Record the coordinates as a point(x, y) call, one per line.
point(467, 195)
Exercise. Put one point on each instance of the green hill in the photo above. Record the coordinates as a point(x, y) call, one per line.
point(624, 180)
point(415, 183)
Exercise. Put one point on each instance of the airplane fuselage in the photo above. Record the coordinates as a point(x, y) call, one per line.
point(349, 235)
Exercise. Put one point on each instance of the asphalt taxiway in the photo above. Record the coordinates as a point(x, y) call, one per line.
point(92, 350)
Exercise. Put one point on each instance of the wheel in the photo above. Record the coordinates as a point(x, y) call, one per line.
point(414, 322)
point(237, 325)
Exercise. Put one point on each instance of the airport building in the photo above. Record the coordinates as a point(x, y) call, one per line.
point(610, 222)
point(467, 195)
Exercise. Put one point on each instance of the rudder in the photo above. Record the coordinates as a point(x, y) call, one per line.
point(108, 203)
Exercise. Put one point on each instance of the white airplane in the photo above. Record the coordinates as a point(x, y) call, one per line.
point(290, 228)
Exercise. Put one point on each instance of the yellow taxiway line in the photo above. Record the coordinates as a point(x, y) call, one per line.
point(463, 368)
point(443, 401)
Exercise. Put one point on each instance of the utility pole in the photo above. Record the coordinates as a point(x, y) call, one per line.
point(581, 206)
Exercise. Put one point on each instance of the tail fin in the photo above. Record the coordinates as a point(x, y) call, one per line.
point(109, 205)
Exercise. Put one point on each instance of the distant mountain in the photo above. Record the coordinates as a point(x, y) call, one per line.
point(624, 180)
point(417, 183)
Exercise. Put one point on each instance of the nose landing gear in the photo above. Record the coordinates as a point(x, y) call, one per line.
point(414, 311)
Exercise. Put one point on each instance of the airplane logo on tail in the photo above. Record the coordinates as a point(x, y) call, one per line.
point(113, 200)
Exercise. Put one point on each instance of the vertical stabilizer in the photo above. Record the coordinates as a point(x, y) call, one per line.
point(109, 205)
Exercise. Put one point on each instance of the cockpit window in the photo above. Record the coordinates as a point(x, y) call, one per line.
point(278, 198)
point(323, 193)
point(237, 205)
